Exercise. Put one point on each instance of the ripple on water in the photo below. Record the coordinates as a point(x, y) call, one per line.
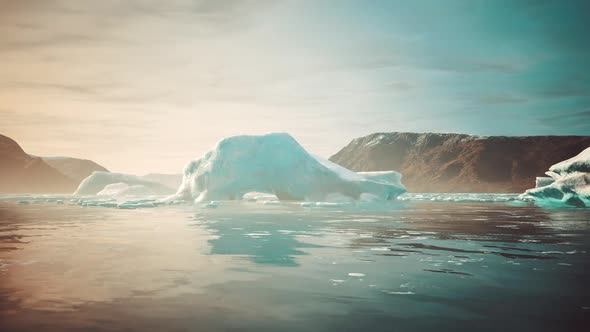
point(449, 271)
point(356, 274)
point(398, 293)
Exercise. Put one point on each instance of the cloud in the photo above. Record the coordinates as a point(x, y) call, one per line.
point(564, 92)
point(32, 86)
point(197, 70)
point(498, 99)
point(399, 86)
point(474, 65)
point(580, 119)
point(566, 123)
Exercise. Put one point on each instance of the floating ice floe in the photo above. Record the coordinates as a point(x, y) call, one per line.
point(569, 184)
point(459, 197)
point(276, 164)
point(113, 203)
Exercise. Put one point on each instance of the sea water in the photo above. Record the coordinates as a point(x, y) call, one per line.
point(426, 263)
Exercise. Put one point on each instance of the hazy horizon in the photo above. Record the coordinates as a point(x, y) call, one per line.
point(145, 86)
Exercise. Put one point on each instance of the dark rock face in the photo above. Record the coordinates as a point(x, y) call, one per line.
point(21, 173)
point(74, 168)
point(460, 163)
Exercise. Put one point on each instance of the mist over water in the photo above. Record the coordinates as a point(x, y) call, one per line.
point(245, 266)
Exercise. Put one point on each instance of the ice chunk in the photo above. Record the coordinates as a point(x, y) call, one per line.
point(96, 182)
point(459, 197)
point(276, 164)
point(383, 177)
point(356, 274)
point(579, 163)
point(543, 181)
point(132, 205)
point(570, 189)
point(255, 196)
point(569, 183)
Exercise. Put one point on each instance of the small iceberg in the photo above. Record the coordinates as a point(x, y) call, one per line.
point(567, 184)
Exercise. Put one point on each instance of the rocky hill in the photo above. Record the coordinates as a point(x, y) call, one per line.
point(432, 162)
point(74, 168)
point(22, 173)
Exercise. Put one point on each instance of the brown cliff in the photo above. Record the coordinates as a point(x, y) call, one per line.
point(22, 173)
point(460, 163)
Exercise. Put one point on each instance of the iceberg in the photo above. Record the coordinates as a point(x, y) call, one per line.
point(169, 180)
point(124, 189)
point(579, 163)
point(277, 164)
point(568, 183)
point(98, 181)
point(542, 181)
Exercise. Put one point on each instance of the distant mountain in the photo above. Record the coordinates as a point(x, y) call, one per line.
point(169, 180)
point(460, 163)
point(22, 173)
point(74, 168)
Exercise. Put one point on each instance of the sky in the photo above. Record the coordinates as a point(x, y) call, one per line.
point(146, 86)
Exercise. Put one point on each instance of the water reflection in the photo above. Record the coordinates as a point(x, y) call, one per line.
point(278, 235)
point(273, 245)
point(74, 256)
point(246, 266)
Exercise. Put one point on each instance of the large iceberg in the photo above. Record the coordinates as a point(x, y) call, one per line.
point(107, 183)
point(276, 164)
point(568, 183)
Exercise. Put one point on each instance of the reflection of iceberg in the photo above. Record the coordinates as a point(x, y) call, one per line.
point(258, 236)
point(277, 164)
point(97, 182)
point(568, 183)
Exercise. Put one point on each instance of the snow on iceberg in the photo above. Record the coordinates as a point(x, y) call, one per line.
point(569, 184)
point(579, 163)
point(542, 181)
point(98, 181)
point(276, 164)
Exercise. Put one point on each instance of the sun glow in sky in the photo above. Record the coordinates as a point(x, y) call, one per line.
point(145, 86)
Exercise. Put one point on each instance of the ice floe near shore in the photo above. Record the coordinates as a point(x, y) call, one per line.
point(276, 164)
point(568, 184)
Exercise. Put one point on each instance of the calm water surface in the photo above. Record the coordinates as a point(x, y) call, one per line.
point(244, 266)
